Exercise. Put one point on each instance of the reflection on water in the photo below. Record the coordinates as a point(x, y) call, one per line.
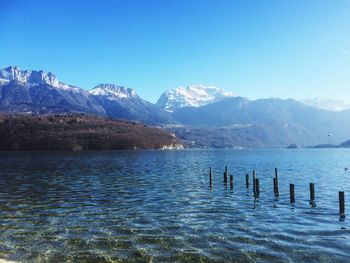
point(157, 206)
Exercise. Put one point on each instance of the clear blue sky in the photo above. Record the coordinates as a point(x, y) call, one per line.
point(284, 48)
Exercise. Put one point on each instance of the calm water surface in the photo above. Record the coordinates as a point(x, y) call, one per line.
point(157, 206)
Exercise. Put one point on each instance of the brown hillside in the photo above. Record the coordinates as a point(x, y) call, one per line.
point(78, 132)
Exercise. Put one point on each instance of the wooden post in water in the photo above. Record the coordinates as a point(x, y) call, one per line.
point(292, 194)
point(341, 203)
point(225, 175)
point(231, 182)
point(254, 177)
point(247, 181)
point(312, 193)
point(275, 183)
point(210, 178)
point(257, 187)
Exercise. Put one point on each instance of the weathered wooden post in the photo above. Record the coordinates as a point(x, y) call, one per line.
point(275, 183)
point(257, 187)
point(210, 178)
point(231, 182)
point(312, 192)
point(247, 181)
point(254, 177)
point(292, 194)
point(225, 175)
point(341, 203)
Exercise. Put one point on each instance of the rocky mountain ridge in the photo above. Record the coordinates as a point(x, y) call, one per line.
point(38, 92)
point(191, 96)
point(201, 116)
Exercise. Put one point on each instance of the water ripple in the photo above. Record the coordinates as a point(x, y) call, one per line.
point(157, 206)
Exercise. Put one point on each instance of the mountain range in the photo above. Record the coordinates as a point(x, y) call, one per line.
point(201, 116)
point(326, 104)
point(264, 123)
point(37, 92)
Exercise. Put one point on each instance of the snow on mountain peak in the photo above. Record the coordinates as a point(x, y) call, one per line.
point(326, 104)
point(28, 76)
point(113, 91)
point(31, 77)
point(191, 96)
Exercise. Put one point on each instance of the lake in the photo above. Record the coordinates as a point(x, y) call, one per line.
point(157, 206)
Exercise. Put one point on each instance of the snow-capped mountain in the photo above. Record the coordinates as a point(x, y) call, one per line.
point(113, 91)
point(208, 115)
point(32, 77)
point(38, 92)
point(326, 104)
point(124, 103)
point(191, 96)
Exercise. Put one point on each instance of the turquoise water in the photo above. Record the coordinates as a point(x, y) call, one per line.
point(157, 206)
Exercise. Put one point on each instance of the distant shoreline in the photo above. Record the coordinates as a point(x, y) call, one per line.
point(164, 150)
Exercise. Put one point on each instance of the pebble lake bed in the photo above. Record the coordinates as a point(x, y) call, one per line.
point(158, 206)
